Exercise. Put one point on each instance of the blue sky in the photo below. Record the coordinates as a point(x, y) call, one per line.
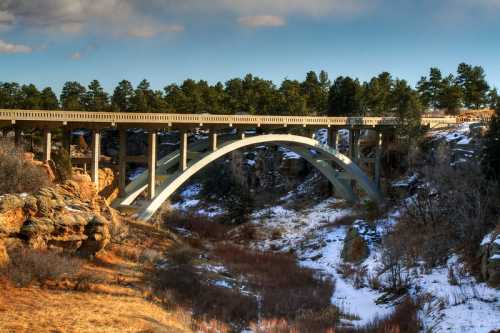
point(48, 42)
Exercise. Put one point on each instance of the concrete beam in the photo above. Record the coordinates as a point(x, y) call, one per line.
point(47, 144)
point(151, 165)
point(96, 154)
point(122, 155)
point(183, 150)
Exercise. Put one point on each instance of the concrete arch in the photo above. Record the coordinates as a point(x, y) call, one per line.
point(301, 145)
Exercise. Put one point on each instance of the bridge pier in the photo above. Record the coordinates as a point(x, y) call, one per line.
point(151, 165)
point(96, 154)
point(333, 138)
point(18, 139)
point(47, 144)
point(183, 150)
point(66, 140)
point(122, 168)
point(378, 156)
point(212, 138)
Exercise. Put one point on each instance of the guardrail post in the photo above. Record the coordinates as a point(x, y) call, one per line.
point(183, 150)
point(151, 165)
point(122, 155)
point(47, 144)
point(96, 154)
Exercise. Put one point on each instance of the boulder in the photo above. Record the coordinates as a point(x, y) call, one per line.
point(12, 215)
point(355, 248)
point(98, 236)
point(490, 258)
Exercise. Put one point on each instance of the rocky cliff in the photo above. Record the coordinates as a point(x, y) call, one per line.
point(70, 216)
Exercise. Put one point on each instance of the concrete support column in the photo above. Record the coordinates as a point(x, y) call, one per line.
point(66, 140)
point(333, 138)
point(378, 155)
point(122, 163)
point(47, 144)
point(212, 140)
point(96, 154)
point(18, 139)
point(241, 133)
point(357, 148)
point(351, 143)
point(183, 148)
point(151, 165)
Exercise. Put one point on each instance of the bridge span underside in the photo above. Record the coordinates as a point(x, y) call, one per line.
point(336, 167)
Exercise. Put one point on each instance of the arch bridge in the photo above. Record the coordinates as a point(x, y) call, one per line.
point(164, 176)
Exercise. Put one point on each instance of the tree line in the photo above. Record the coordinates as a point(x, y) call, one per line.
point(315, 95)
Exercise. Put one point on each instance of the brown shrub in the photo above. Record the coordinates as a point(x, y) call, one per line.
point(27, 266)
point(283, 295)
point(16, 174)
point(202, 226)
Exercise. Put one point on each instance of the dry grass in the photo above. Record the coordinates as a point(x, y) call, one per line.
point(38, 310)
point(110, 294)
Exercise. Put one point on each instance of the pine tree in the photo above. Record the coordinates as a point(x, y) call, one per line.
point(345, 97)
point(96, 99)
point(472, 81)
point(48, 100)
point(450, 96)
point(122, 97)
point(491, 152)
point(73, 96)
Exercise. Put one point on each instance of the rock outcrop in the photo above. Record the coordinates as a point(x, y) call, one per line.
point(490, 258)
point(70, 216)
point(355, 248)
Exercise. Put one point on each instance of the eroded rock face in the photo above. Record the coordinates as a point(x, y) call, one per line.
point(490, 258)
point(4, 257)
point(70, 216)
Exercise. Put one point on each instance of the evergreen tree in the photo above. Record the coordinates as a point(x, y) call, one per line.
point(314, 94)
point(407, 107)
point(30, 98)
point(493, 98)
point(73, 96)
point(122, 97)
point(491, 151)
point(345, 97)
point(96, 99)
point(293, 102)
point(10, 95)
point(472, 81)
point(430, 89)
point(450, 97)
point(48, 100)
point(377, 94)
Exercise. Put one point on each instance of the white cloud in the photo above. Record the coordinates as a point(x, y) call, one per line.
point(14, 48)
point(262, 21)
point(151, 30)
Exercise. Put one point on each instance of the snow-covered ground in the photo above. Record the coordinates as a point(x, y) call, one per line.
point(451, 306)
point(318, 244)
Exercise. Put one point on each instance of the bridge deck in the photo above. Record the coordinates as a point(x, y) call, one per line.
point(169, 119)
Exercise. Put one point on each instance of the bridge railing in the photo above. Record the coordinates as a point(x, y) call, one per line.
point(165, 118)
